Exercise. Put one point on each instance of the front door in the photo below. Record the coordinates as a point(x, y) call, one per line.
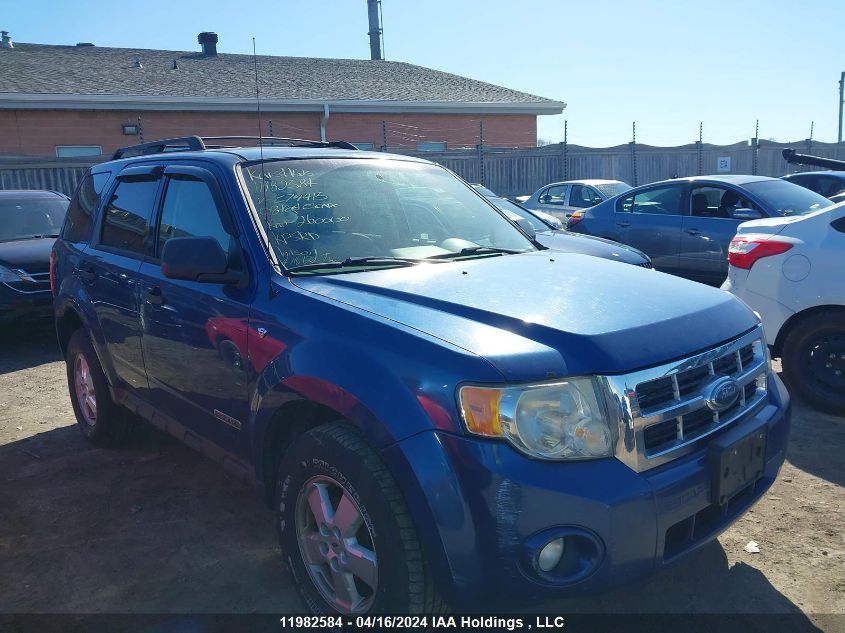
point(109, 268)
point(552, 200)
point(650, 220)
point(195, 334)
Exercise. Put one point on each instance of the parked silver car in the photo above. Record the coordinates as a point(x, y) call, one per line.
point(561, 199)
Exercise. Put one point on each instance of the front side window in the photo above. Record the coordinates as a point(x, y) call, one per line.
point(331, 210)
point(786, 198)
point(554, 195)
point(660, 201)
point(26, 218)
point(189, 210)
point(126, 225)
point(80, 213)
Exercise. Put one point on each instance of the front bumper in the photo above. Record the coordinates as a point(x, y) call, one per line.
point(477, 502)
point(16, 305)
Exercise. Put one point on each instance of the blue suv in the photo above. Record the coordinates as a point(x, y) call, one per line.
point(353, 332)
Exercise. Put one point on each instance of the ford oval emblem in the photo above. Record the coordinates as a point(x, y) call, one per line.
point(722, 394)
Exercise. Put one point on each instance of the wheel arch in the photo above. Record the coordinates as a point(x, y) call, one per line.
point(796, 319)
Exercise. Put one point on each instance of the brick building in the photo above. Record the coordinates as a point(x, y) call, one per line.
point(87, 100)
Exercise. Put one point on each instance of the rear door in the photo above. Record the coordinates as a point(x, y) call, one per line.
point(195, 334)
point(708, 229)
point(650, 219)
point(109, 269)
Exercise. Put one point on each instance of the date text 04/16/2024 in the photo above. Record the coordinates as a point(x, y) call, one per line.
point(468, 623)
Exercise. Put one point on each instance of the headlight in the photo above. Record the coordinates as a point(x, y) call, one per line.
point(562, 420)
point(9, 276)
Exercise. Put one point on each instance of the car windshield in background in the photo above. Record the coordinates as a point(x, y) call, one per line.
point(610, 189)
point(28, 218)
point(346, 211)
point(787, 198)
point(512, 209)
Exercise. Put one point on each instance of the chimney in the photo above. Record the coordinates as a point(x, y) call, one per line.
point(374, 13)
point(208, 40)
point(5, 40)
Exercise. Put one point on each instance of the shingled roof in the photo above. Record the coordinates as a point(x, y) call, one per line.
point(39, 74)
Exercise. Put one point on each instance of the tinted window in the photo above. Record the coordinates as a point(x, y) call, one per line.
point(127, 220)
point(80, 213)
point(554, 195)
point(661, 200)
point(839, 225)
point(189, 210)
point(581, 196)
point(830, 186)
point(786, 198)
point(717, 202)
point(29, 217)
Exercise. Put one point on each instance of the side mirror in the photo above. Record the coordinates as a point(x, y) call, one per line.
point(526, 227)
point(197, 259)
point(746, 214)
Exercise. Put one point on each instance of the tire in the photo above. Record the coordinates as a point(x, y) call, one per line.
point(333, 469)
point(101, 421)
point(813, 352)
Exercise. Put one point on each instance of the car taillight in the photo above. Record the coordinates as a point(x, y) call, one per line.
point(575, 218)
point(52, 272)
point(743, 251)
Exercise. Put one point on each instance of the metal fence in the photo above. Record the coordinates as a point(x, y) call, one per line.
point(512, 172)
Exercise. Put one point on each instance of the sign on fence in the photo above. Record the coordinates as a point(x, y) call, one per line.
point(723, 163)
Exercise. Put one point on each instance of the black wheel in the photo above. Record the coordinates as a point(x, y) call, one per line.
point(101, 421)
point(814, 361)
point(345, 531)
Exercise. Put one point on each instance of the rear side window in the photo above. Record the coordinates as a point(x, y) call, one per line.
point(83, 206)
point(189, 210)
point(126, 225)
point(661, 201)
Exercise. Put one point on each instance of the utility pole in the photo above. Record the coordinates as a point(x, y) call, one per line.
point(841, 100)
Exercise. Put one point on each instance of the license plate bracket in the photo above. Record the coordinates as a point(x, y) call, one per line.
point(736, 463)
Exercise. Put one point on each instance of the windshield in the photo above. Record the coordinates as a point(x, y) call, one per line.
point(29, 217)
point(513, 210)
point(484, 191)
point(786, 198)
point(610, 189)
point(333, 210)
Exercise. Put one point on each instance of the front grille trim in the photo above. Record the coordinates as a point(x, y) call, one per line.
point(623, 400)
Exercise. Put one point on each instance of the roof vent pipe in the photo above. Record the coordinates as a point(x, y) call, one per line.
point(208, 41)
point(375, 32)
point(5, 40)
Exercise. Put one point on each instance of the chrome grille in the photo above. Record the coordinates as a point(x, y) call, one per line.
point(664, 410)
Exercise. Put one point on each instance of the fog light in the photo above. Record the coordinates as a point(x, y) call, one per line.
point(550, 555)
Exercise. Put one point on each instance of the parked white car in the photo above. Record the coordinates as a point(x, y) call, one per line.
point(790, 271)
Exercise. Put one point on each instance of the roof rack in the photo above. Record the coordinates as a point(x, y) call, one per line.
point(195, 143)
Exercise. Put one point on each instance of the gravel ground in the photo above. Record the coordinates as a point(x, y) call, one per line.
point(156, 528)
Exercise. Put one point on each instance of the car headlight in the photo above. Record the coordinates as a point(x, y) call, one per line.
point(562, 420)
point(9, 276)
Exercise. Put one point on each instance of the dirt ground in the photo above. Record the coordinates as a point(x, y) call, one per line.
point(156, 528)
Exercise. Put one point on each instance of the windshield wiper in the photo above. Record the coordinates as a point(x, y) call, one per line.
point(477, 250)
point(353, 262)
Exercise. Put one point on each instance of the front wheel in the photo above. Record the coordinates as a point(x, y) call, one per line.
point(814, 361)
point(345, 531)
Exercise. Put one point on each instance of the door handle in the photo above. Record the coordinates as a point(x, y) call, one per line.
point(86, 274)
point(155, 296)
point(693, 232)
point(623, 224)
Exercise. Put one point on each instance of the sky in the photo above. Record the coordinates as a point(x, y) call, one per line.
point(667, 65)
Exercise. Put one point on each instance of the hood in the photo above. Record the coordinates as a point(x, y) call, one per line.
point(33, 255)
point(588, 245)
point(544, 315)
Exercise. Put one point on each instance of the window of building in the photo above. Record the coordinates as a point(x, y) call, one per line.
point(431, 146)
point(68, 151)
point(189, 210)
point(83, 205)
point(127, 219)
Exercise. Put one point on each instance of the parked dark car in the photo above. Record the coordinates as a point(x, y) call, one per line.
point(830, 184)
point(435, 407)
point(30, 222)
point(546, 230)
point(685, 225)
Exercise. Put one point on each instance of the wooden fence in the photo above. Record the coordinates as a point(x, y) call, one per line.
point(511, 172)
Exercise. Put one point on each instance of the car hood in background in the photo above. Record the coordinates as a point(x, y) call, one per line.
point(536, 317)
point(33, 255)
point(588, 245)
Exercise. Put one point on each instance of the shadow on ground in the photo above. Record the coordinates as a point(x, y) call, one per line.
point(22, 347)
